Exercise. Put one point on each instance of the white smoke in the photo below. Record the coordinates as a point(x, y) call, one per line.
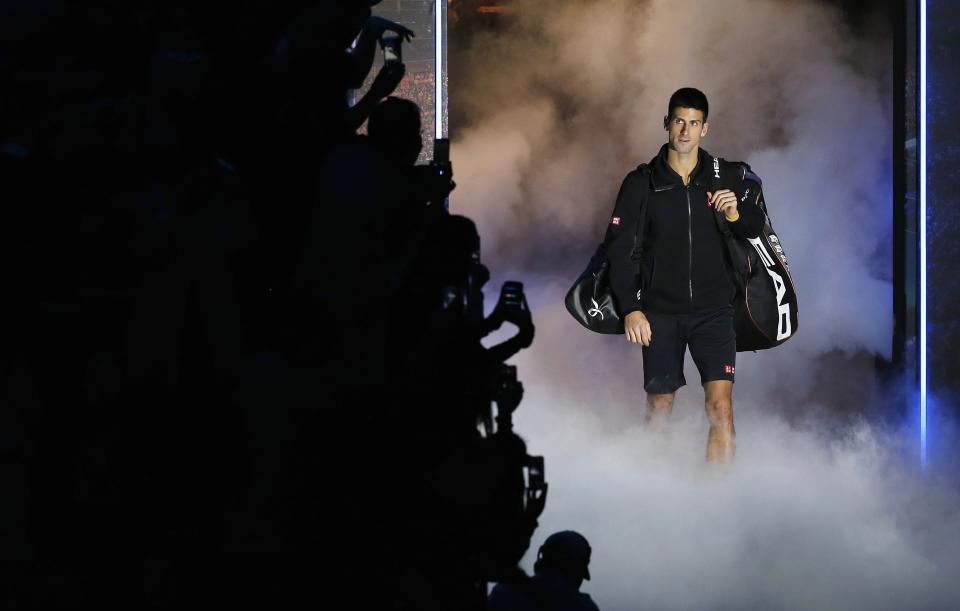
point(562, 104)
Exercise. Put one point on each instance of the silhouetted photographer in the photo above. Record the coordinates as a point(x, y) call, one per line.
point(562, 564)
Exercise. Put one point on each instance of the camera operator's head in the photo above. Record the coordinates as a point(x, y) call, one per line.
point(394, 128)
point(460, 247)
point(686, 119)
point(450, 258)
point(566, 553)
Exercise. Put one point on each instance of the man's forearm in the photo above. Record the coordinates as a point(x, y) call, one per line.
point(359, 112)
point(750, 222)
point(623, 283)
point(362, 57)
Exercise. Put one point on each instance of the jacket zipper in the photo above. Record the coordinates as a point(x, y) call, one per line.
point(690, 243)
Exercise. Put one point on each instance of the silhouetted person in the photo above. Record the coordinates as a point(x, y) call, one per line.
point(300, 118)
point(161, 162)
point(368, 238)
point(562, 564)
point(395, 134)
point(444, 297)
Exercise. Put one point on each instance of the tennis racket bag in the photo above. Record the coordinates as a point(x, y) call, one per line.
point(765, 309)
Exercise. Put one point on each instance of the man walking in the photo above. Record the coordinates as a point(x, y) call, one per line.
point(682, 296)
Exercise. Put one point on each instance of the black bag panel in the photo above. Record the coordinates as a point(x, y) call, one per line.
point(769, 315)
point(741, 258)
point(590, 300)
point(749, 337)
point(765, 310)
point(762, 204)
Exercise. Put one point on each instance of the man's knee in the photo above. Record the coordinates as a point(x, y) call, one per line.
point(660, 402)
point(720, 411)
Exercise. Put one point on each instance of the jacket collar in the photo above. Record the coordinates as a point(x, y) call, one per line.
point(664, 178)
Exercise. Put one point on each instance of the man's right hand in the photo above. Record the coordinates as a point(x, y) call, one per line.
point(637, 328)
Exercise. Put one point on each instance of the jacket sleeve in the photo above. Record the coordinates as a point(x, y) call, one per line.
point(622, 239)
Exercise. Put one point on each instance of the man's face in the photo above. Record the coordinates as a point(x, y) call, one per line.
point(685, 127)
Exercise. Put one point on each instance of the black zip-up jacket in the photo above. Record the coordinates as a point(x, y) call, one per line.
point(684, 262)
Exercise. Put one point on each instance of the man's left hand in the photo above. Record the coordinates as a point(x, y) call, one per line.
point(725, 201)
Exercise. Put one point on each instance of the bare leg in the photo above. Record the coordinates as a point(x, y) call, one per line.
point(721, 442)
point(658, 410)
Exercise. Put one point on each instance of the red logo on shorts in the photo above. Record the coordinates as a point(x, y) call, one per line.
point(616, 220)
point(729, 369)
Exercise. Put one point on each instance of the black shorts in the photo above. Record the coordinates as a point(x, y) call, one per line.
point(712, 341)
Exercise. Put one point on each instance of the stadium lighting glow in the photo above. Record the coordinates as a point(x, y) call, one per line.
point(923, 233)
point(438, 71)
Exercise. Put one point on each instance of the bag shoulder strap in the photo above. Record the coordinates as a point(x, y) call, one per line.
point(644, 169)
point(717, 183)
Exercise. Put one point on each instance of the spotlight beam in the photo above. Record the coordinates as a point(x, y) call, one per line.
point(438, 68)
point(923, 233)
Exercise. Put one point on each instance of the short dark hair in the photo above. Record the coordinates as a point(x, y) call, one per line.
point(688, 97)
